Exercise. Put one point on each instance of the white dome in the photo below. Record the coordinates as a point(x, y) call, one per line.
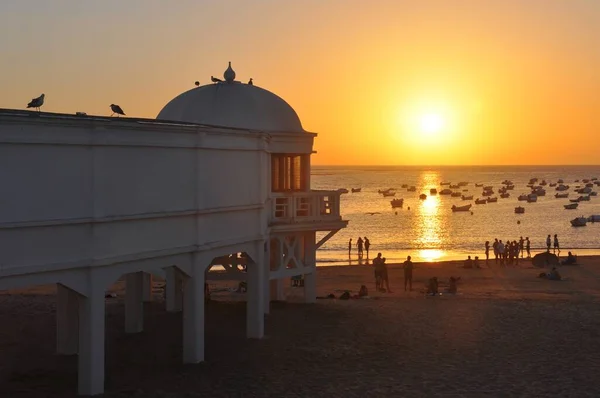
point(233, 104)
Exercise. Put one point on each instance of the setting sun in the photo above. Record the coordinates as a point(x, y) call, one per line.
point(431, 123)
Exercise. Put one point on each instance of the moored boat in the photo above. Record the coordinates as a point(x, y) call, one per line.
point(397, 203)
point(433, 191)
point(579, 222)
point(561, 195)
point(531, 198)
point(422, 196)
point(342, 190)
point(461, 208)
point(571, 206)
point(522, 197)
point(504, 195)
point(470, 197)
point(492, 200)
point(354, 190)
point(480, 201)
point(388, 193)
point(456, 194)
point(446, 191)
point(519, 210)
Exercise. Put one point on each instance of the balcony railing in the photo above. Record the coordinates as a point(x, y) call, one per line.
point(311, 206)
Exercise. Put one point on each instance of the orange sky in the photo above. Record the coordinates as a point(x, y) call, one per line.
point(515, 82)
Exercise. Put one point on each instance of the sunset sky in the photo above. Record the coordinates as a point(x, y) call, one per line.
point(381, 82)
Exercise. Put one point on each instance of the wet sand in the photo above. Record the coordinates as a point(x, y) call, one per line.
point(506, 333)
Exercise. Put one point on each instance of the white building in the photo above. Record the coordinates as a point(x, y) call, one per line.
point(224, 169)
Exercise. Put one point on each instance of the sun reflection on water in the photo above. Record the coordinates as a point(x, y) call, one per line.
point(428, 228)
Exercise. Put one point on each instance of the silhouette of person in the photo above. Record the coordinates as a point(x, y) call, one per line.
point(408, 273)
point(367, 245)
point(548, 242)
point(349, 247)
point(359, 244)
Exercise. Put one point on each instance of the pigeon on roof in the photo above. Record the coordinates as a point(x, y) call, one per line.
point(215, 79)
point(116, 109)
point(37, 102)
point(250, 82)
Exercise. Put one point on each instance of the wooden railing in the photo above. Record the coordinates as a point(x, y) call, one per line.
point(311, 206)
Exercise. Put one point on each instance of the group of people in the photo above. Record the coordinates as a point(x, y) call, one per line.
point(508, 253)
point(362, 245)
point(381, 274)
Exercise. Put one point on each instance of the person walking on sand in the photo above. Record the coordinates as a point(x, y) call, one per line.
point(408, 273)
point(501, 252)
point(487, 252)
point(528, 246)
point(495, 246)
point(521, 244)
point(377, 269)
point(359, 244)
point(384, 276)
point(367, 245)
point(556, 246)
point(350, 247)
point(548, 243)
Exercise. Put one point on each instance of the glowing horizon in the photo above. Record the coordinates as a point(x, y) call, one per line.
point(388, 83)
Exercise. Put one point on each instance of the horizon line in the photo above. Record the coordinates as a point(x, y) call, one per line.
point(456, 165)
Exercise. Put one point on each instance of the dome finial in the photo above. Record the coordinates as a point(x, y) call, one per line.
point(229, 74)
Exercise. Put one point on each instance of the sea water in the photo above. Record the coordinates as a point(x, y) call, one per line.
point(428, 230)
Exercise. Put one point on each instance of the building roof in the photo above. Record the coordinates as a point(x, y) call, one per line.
point(233, 104)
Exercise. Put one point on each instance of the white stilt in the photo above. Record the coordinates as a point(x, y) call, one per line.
point(67, 321)
point(193, 316)
point(255, 318)
point(310, 257)
point(147, 287)
point(278, 289)
point(173, 290)
point(267, 294)
point(134, 302)
point(91, 343)
point(310, 287)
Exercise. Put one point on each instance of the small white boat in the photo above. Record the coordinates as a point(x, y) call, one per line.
point(480, 201)
point(354, 190)
point(461, 208)
point(562, 187)
point(470, 197)
point(422, 196)
point(492, 200)
point(478, 185)
point(455, 186)
point(397, 203)
point(579, 222)
point(342, 190)
point(504, 195)
point(389, 193)
point(522, 197)
point(519, 210)
point(385, 190)
point(561, 195)
point(456, 194)
point(444, 183)
point(539, 191)
point(463, 183)
point(571, 206)
point(446, 191)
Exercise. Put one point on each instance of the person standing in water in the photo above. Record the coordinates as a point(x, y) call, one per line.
point(528, 246)
point(487, 251)
point(367, 245)
point(349, 247)
point(408, 271)
point(359, 244)
point(556, 246)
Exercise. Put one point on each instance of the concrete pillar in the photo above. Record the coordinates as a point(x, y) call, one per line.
point(67, 321)
point(193, 316)
point(255, 318)
point(310, 287)
point(310, 260)
point(278, 289)
point(91, 342)
point(173, 289)
point(134, 302)
point(267, 294)
point(147, 287)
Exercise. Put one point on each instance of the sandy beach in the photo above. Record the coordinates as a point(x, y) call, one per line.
point(506, 333)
